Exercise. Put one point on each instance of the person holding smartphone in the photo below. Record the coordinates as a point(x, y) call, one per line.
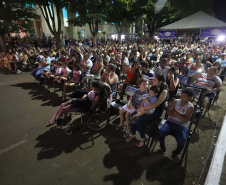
point(172, 81)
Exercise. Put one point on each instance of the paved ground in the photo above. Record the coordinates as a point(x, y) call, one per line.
point(33, 154)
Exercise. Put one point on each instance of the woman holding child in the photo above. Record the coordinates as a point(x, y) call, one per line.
point(140, 121)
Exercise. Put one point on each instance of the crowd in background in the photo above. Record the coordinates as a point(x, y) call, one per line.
point(75, 62)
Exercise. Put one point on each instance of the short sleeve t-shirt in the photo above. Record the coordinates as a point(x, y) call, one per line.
point(76, 75)
point(222, 62)
point(89, 63)
point(65, 71)
point(148, 75)
point(203, 81)
point(136, 98)
point(58, 71)
point(151, 99)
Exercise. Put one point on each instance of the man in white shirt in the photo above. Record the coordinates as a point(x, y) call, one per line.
point(106, 58)
point(85, 65)
point(125, 60)
point(222, 60)
point(162, 68)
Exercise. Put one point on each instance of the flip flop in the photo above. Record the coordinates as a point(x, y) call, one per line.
point(125, 135)
point(119, 127)
point(142, 143)
point(130, 138)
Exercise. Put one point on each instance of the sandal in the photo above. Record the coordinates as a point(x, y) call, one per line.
point(125, 135)
point(141, 143)
point(49, 123)
point(130, 138)
point(118, 127)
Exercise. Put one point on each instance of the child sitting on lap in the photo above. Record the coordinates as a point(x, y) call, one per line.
point(132, 105)
point(150, 99)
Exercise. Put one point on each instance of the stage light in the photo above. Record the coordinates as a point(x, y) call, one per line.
point(221, 38)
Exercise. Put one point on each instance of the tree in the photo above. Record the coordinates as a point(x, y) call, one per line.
point(52, 11)
point(146, 10)
point(170, 11)
point(79, 34)
point(189, 7)
point(90, 12)
point(104, 33)
point(120, 12)
point(15, 16)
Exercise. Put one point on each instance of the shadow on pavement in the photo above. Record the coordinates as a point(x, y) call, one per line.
point(131, 162)
point(37, 92)
point(206, 124)
point(166, 172)
point(55, 141)
point(6, 71)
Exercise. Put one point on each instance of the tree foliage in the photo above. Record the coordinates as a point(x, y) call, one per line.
point(158, 13)
point(188, 7)
point(15, 16)
point(147, 12)
point(91, 12)
point(121, 13)
point(52, 12)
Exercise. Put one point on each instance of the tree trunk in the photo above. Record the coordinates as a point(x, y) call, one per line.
point(120, 37)
point(2, 43)
point(151, 25)
point(94, 40)
point(93, 26)
point(142, 29)
point(119, 29)
point(58, 41)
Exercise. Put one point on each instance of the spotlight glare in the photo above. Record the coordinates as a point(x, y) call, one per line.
point(221, 38)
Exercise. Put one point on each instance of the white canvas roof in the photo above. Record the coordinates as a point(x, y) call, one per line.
point(196, 21)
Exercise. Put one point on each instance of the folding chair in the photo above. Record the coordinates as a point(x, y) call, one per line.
point(118, 104)
point(194, 120)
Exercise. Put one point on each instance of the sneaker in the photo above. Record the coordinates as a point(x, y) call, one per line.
point(18, 71)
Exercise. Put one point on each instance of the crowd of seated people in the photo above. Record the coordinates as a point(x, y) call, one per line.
point(155, 64)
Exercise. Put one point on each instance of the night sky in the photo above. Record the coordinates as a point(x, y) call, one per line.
point(219, 9)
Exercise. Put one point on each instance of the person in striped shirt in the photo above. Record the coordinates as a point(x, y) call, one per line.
point(209, 81)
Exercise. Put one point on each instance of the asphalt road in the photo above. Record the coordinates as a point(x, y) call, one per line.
point(30, 153)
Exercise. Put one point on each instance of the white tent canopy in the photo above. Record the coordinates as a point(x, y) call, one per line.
point(196, 21)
